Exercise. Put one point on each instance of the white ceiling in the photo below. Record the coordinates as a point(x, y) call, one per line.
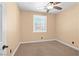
point(39, 6)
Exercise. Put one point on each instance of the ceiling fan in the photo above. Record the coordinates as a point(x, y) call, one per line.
point(52, 5)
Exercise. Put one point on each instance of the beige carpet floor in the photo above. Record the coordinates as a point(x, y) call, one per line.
point(50, 48)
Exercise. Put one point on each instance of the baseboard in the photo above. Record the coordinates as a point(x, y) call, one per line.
point(75, 48)
point(30, 42)
point(38, 41)
point(16, 49)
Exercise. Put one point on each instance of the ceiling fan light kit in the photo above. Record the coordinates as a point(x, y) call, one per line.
point(49, 6)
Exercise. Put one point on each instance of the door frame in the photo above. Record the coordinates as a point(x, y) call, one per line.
point(4, 27)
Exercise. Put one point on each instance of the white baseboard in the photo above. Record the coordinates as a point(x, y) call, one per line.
point(30, 42)
point(16, 49)
point(38, 41)
point(75, 48)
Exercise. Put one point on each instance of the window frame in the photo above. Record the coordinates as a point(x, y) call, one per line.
point(42, 25)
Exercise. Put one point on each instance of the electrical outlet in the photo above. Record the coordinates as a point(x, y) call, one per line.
point(41, 37)
point(72, 42)
point(10, 51)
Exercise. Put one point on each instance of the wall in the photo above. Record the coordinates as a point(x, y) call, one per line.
point(67, 25)
point(27, 27)
point(12, 22)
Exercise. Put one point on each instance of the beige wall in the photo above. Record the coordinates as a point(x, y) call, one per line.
point(67, 25)
point(27, 27)
point(12, 26)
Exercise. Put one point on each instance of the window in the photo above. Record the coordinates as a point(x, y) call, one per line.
point(39, 23)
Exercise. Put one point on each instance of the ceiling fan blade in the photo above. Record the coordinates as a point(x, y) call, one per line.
point(58, 8)
point(51, 2)
point(54, 3)
point(57, 2)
